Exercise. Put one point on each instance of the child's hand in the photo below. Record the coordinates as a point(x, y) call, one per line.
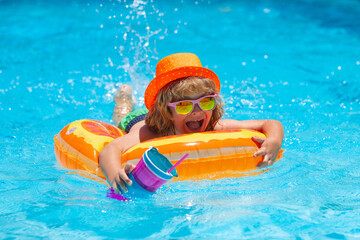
point(118, 183)
point(269, 148)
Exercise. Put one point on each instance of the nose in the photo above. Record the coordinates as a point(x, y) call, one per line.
point(197, 108)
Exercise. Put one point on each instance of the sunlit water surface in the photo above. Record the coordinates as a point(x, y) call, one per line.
point(294, 61)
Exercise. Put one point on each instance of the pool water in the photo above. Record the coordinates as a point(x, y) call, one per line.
point(294, 61)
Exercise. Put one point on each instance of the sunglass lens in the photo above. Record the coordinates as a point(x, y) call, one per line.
point(207, 103)
point(184, 107)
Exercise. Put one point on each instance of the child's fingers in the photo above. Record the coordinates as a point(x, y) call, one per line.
point(121, 185)
point(260, 152)
point(116, 187)
point(258, 141)
point(125, 177)
point(266, 160)
point(116, 190)
point(272, 160)
point(261, 165)
point(129, 167)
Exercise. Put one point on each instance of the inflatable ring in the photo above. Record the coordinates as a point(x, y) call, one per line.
point(212, 155)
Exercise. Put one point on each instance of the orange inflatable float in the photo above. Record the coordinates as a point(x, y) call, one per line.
point(212, 155)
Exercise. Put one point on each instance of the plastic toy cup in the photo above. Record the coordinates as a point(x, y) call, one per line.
point(151, 172)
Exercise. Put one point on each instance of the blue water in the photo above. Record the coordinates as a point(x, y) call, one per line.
point(294, 61)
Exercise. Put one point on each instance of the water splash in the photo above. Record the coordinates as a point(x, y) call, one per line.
point(136, 29)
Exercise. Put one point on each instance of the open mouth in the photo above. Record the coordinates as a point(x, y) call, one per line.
point(195, 125)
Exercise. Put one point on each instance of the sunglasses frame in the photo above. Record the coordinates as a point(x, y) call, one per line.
point(196, 101)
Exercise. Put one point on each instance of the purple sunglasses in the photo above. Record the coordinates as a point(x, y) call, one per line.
point(206, 103)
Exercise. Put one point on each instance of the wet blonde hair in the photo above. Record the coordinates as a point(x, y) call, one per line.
point(159, 116)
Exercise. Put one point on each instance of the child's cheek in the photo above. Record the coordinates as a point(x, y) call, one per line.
point(208, 117)
point(179, 124)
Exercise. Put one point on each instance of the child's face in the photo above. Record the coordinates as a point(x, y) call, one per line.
point(196, 121)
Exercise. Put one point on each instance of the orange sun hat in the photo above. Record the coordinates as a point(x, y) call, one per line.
point(174, 67)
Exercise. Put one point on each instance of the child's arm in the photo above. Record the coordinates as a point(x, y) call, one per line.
point(270, 146)
point(110, 161)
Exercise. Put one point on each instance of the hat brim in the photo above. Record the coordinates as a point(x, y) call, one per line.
point(160, 81)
